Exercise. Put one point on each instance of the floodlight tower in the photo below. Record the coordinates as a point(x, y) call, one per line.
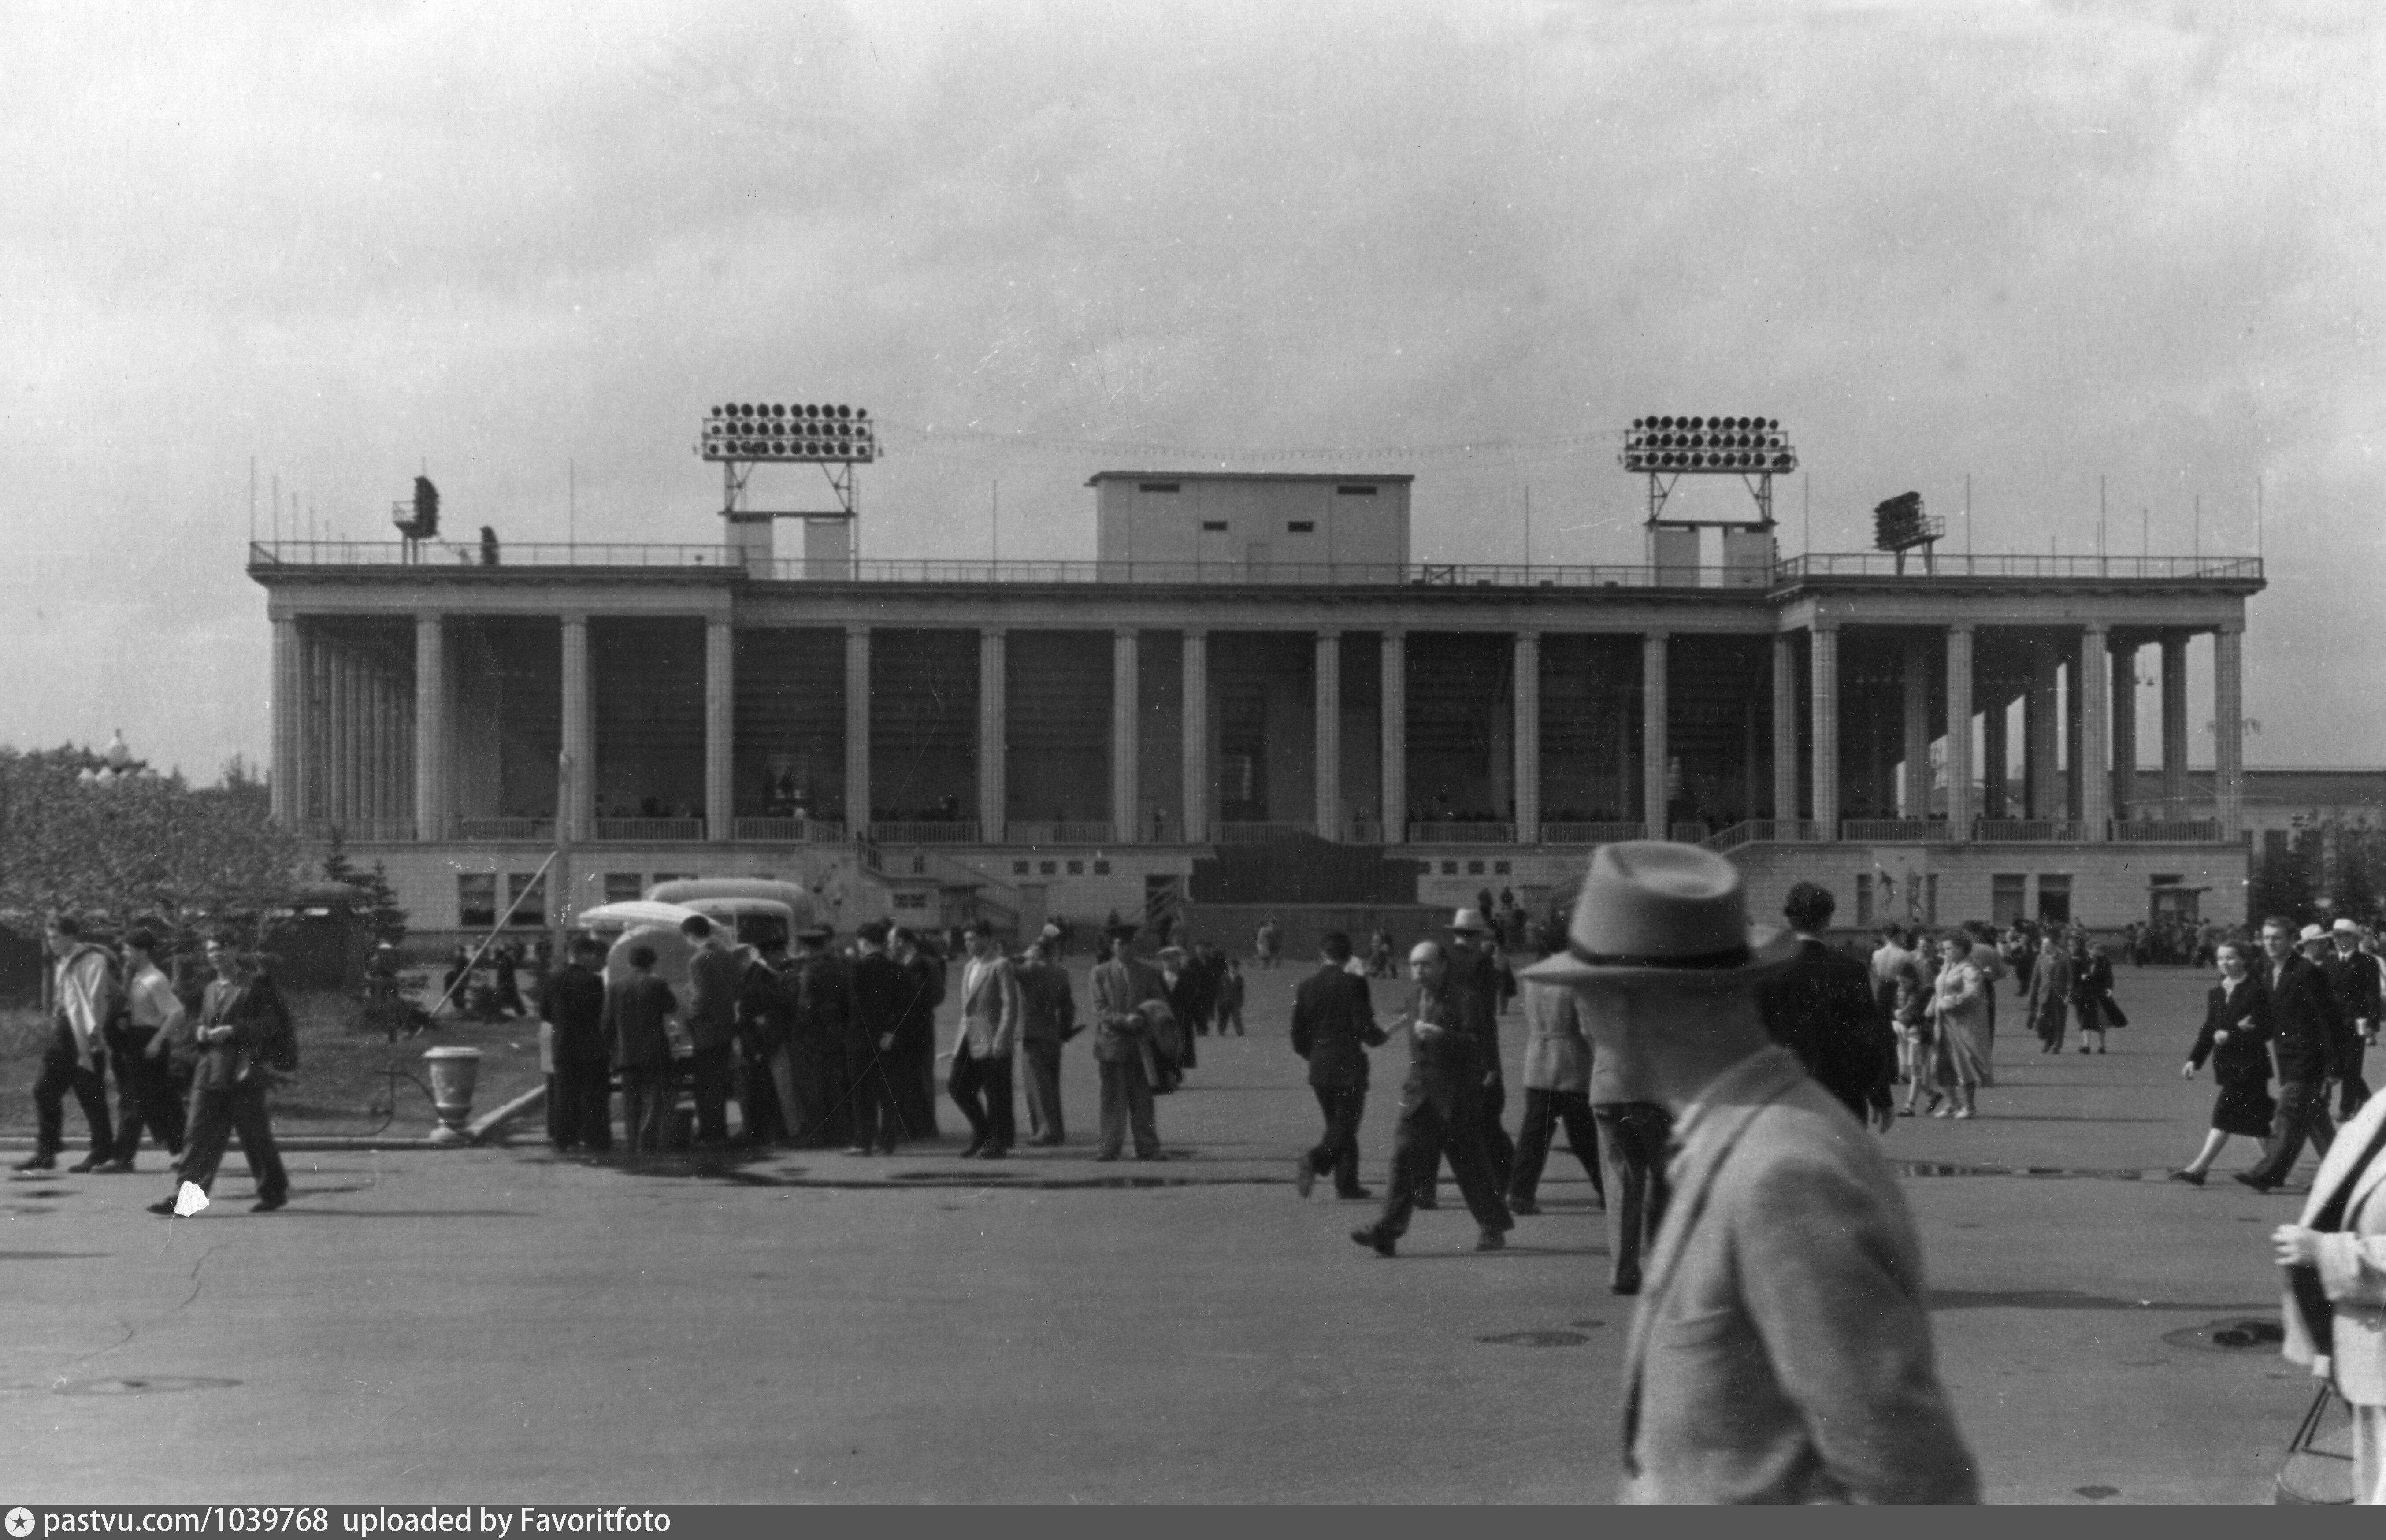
point(1667, 448)
point(836, 438)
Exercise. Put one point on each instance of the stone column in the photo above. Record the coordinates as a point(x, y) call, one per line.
point(1528, 735)
point(720, 727)
point(1127, 765)
point(579, 728)
point(1992, 758)
point(1916, 793)
point(431, 819)
point(1653, 820)
point(1959, 733)
point(1196, 821)
point(2228, 730)
point(2125, 730)
point(993, 741)
point(1785, 728)
point(2173, 726)
point(2038, 728)
point(1326, 702)
point(2092, 770)
point(1822, 667)
point(1394, 714)
point(856, 730)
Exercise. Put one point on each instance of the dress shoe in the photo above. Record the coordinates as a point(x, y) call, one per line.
point(2250, 1179)
point(120, 1166)
point(268, 1202)
point(972, 1152)
point(1304, 1177)
point(166, 1207)
point(1155, 1155)
point(1107, 1155)
point(1628, 1287)
point(1490, 1240)
point(88, 1164)
point(858, 1149)
point(1356, 1195)
point(1523, 1206)
point(994, 1152)
point(1384, 1246)
point(2193, 1179)
point(38, 1163)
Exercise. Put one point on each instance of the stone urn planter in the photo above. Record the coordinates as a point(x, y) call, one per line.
point(454, 1072)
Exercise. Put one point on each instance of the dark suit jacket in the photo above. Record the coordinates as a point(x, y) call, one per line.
point(879, 991)
point(1332, 1027)
point(2353, 981)
point(1820, 1008)
point(2246, 1054)
point(573, 1000)
point(636, 1010)
point(2303, 1023)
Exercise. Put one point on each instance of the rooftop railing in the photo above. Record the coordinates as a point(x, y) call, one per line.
point(267, 556)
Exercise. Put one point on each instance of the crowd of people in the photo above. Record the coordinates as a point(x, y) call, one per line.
point(192, 1058)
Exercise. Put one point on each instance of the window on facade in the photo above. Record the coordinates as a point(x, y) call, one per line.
point(1159, 486)
point(621, 886)
point(2008, 898)
point(528, 898)
point(2054, 898)
point(1102, 869)
point(1501, 869)
point(1475, 869)
point(1931, 898)
point(1864, 898)
point(1214, 525)
point(909, 900)
point(1019, 869)
point(476, 900)
point(1076, 869)
point(1301, 526)
point(1047, 869)
point(1450, 869)
point(1354, 492)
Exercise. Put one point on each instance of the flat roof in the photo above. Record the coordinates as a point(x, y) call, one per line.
point(1100, 476)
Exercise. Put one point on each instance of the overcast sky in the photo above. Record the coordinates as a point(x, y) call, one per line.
point(2032, 244)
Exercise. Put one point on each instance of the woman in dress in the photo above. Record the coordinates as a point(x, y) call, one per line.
point(2091, 985)
point(2236, 1037)
point(1959, 1010)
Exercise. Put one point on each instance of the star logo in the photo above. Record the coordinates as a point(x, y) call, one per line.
point(20, 1522)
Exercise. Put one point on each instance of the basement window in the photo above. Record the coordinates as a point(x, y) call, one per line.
point(1354, 492)
point(1214, 525)
point(1301, 526)
point(1159, 486)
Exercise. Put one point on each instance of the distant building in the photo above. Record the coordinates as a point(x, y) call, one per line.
point(1249, 657)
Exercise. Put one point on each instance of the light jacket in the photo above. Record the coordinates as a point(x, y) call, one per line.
point(2352, 1267)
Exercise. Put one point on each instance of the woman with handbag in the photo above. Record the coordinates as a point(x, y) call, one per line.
point(2235, 1038)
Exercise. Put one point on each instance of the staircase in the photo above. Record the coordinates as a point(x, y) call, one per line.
point(1303, 869)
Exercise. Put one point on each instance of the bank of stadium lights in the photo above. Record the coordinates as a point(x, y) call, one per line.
point(792, 433)
point(1724, 445)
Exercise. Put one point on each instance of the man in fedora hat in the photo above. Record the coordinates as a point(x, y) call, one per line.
point(1781, 1351)
point(1440, 1109)
point(2352, 976)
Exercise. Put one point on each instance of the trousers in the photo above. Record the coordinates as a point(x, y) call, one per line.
point(581, 1101)
point(1338, 1152)
point(1499, 1150)
point(1126, 1104)
point(1543, 1111)
point(1423, 1136)
point(871, 1094)
point(648, 1092)
point(145, 1093)
point(710, 1072)
point(2356, 1090)
point(64, 1069)
point(2302, 1114)
point(218, 1113)
point(1632, 1144)
point(1041, 1058)
point(981, 1088)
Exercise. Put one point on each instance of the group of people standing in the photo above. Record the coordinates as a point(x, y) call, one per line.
point(166, 1041)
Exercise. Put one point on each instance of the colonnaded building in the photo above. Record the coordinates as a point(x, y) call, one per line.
point(1254, 661)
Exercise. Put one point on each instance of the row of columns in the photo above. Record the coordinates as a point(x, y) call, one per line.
point(2106, 748)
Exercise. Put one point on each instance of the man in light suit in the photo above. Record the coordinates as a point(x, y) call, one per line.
point(2335, 1260)
point(1122, 986)
point(1781, 1351)
point(983, 1045)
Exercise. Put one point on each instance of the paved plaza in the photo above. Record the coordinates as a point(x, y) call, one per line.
point(509, 1325)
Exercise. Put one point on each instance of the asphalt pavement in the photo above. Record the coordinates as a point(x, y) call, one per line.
point(509, 1325)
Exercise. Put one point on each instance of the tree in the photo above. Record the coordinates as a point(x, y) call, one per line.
point(2285, 881)
point(384, 916)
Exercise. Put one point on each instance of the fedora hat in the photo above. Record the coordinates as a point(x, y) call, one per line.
point(1468, 921)
point(2345, 927)
point(2310, 934)
point(1650, 909)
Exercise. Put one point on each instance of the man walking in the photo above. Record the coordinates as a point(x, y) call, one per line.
point(572, 1001)
point(1048, 1018)
point(227, 1094)
point(2353, 979)
point(1477, 970)
point(139, 1047)
point(878, 990)
point(1820, 1007)
point(988, 1033)
point(715, 978)
point(1332, 1027)
point(2303, 1033)
point(1557, 1089)
point(2046, 1004)
point(1440, 1109)
point(1781, 1350)
point(1121, 987)
point(84, 995)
